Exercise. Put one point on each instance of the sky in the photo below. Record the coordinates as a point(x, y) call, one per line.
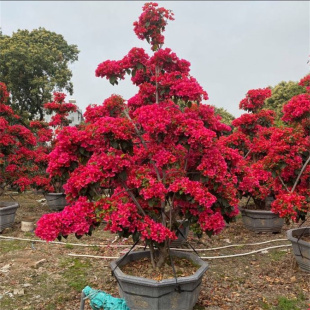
point(233, 46)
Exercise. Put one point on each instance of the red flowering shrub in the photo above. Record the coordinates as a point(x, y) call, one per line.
point(251, 139)
point(143, 164)
point(45, 136)
point(16, 148)
point(276, 159)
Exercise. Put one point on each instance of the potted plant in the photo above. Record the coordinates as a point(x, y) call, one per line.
point(145, 164)
point(251, 139)
point(16, 153)
point(46, 133)
point(289, 161)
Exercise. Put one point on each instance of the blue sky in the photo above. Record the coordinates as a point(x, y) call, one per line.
point(233, 46)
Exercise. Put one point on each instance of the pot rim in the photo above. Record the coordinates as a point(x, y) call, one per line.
point(257, 211)
point(204, 266)
point(291, 238)
point(55, 194)
point(11, 205)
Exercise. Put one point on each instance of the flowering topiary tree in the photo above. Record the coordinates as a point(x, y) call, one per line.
point(45, 134)
point(276, 158)
point(250, 138)
point(16, 148)
point(288, 158)
point(144, 164)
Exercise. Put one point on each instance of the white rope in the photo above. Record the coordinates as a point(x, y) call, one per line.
point(203, 257)
point(140, 246)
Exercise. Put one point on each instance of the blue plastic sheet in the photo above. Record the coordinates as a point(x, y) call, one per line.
point(101, 300)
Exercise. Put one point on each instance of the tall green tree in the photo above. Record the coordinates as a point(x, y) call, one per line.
point(34, 64)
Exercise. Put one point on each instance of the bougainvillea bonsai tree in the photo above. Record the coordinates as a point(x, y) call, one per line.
point(288, 158)
point(145, 164)
point(250, 138)
point(24, 151)
point(276, 159)
point(45, 133)
point(16, 148)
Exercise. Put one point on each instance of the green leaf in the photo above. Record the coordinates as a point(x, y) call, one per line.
point(113, 79)
point(209, 233)
point(139, 65)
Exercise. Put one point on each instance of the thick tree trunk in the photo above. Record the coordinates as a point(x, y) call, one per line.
point(159, 255)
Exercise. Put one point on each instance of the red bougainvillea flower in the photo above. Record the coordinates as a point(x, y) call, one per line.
point(297, 109)
point(152, 23)
point(254, 99)
point(290, 204)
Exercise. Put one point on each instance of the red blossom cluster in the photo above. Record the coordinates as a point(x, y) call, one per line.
point(305, 82)
point(255, 99)
point(61, 110)
point(152, 23)
point(297, 110)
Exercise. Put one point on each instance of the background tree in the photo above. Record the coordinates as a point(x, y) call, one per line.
point(227, 118)
point(33, 64)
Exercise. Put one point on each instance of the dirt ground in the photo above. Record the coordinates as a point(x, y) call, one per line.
point(39, 275)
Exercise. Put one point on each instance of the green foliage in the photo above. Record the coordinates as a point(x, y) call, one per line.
point(284, 303)
point(34, 64)
point(281, 94)
point(277, 255)
point(227, 118)
point(289, 304)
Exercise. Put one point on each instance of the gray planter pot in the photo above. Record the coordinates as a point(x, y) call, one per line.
point(7, 214)
point(56, 201)
point(301, 248)
point(261, 221)
point(147, 294)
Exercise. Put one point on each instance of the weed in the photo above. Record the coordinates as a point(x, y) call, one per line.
point(51, 306)
point(12, 245)
point(277, 255)
point(290, 304)
point(76, 274)
point(69, 246)
point(28, 234)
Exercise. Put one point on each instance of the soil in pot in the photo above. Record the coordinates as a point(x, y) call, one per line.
point(143, 268)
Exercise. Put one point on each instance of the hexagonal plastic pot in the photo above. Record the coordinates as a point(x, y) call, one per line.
point(7, 214)
point(301, 248)
point(261, 220)
point(146, 294)
point(55, 201)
